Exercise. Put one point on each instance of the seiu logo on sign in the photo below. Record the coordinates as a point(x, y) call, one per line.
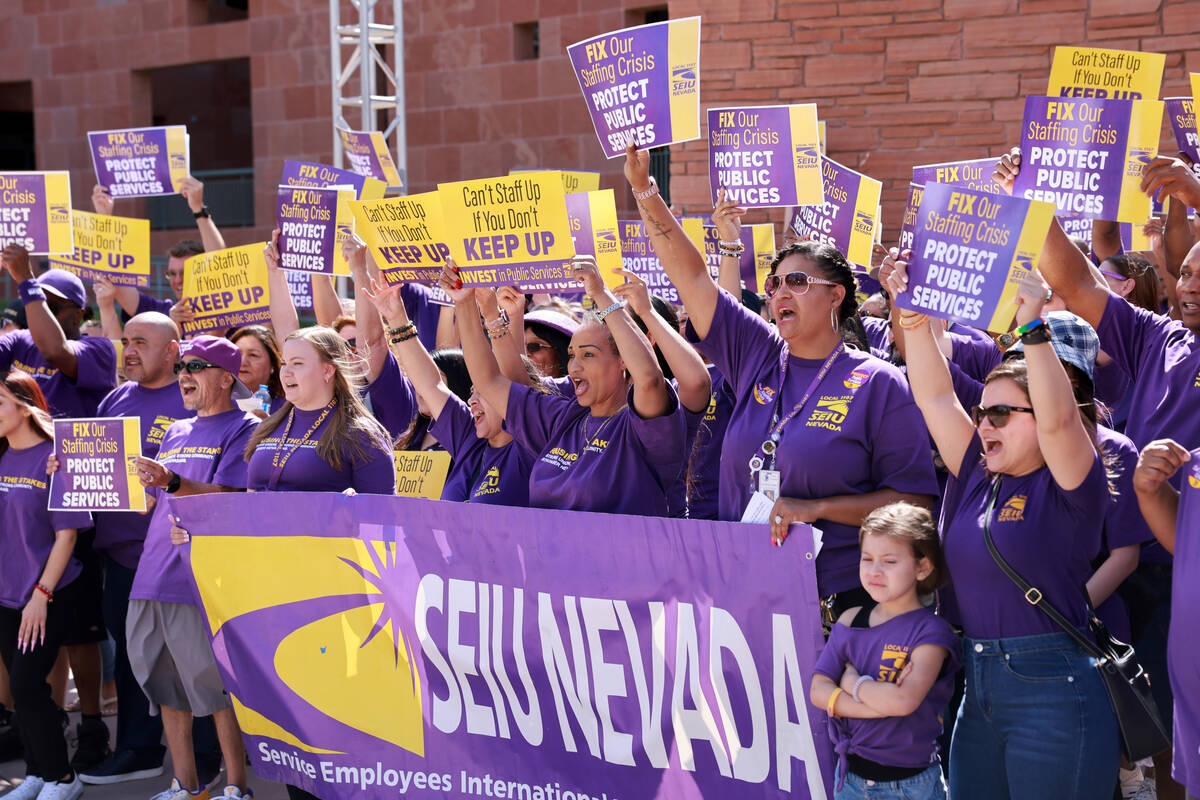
point(1139, 157)
point(863, 223)
point(1022, 265)
point(606, 242)
point(178, 161)
point(59, 213)
point(807, 157)
point(683, 80)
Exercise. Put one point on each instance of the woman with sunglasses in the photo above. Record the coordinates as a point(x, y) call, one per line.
point(1035, 721)
point(37, 585)
point(829, 434)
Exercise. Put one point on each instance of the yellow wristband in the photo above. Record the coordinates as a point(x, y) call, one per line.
point(829, 707)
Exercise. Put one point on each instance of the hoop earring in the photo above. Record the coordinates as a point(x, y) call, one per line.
point(833, 320)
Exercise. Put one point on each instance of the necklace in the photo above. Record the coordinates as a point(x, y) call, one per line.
point(278, 463)
point(587, 439)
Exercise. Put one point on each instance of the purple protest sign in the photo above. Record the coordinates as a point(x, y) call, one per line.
point(306, 218)
point(140, 162)
point(642, 83)
point(1086, 155)
point(1181, 111)
point(320, 176)
point(973, 174)
point(908, 226)
point(765, 155)
point(368, 154)
point(95, 466)
point(847, 218)
point(496, 650)
point(300, 288)
point(637, 256)
point(970, 252)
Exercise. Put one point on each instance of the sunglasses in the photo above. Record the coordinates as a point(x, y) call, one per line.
point(353, 343)
point(797, 281)
point(192, 367)
point(537, 347)
point(997, 415)
point(1113, 275)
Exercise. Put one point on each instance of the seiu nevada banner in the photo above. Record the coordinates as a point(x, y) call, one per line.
point(378, 647)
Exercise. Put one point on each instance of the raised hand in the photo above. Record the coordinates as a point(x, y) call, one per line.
point(635, 292)
point(16, 263)
point(1174, 177)
point(1007, 169)
point(587, 272)
point(637, 167)
point(386, 299)
point(1157, 463)
point(1032, 295)
point(271, 251)
point(102, 201)
point(727, 216)
point(193, 192)
point(453, 285)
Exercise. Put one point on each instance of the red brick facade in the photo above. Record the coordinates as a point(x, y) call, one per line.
point(899, 81)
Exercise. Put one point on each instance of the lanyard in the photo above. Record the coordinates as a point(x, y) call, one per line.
point(277, 463)
point(770, 445)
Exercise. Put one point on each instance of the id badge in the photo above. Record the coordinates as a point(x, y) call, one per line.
point(768, 483)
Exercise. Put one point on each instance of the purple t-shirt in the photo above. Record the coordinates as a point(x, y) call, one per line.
point(882, 653)
point(975, 357)
point(704, 465)
point(626, 466)
point(392, 398)
point(1183, 645)
point(677, 495)
point(1050, 537)
point(205, 449)
point(371, 472)
point(979, 336)
point(148, 303)
point(860, 431)
point(1162, 359)
point(422, 311)
point(879, 333)
point(121, 534)
point(26, 527)
point(499, 476)
point(96, 376)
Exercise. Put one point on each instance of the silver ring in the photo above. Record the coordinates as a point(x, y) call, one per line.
point(778, 520)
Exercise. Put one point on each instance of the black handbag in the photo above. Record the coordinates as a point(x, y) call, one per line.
point(1142, 731)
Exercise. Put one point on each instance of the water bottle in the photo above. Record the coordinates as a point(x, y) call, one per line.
point(263, 396)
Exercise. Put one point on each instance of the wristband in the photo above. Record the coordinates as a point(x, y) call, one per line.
point(736, 244)
point(861, 680)
point(829, 706)
point(1038, 335)
point(411, 333)
point(174, 483)
point(402, 329)
point(203, 213)
point(617, 306)
point(30, 292)
point(646, 195)
point(1028, 326)
point(49, 594)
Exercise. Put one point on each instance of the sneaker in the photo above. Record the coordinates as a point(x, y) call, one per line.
point(70, 790)
point(93, 749)
point(177, 792)
point(28, 790)
point(1131, 781)
point(121, 766)
point(234, 793)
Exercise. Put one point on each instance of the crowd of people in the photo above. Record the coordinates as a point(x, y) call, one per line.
point(919, 449)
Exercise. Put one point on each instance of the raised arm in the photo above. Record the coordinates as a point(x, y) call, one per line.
point(651, 396)
point(1106, 239)
point(283, 309)
point(417, 364)
point(193, 191)
point(326, 305)
point(1068, 271)
point(683, 263)
point(481, 364)
point(372, 343)
point(110, 321)
point(1177, 237)
point(928, 374)
point(694, 383)
point(727, 216)
point(47, 334)
point(507, 343)
point(1158, 500)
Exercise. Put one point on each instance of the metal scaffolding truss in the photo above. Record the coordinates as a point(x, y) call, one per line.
point(366, 37)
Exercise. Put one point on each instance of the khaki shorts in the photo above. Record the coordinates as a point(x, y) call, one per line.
point(172, 657)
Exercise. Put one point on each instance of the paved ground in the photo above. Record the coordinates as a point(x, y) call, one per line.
point(134, 790)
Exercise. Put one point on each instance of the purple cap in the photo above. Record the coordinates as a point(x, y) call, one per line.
point(63, 284)
point(555, 320)
point(222, 352)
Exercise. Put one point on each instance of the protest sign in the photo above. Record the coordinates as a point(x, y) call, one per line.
point(1133, 237)
point(908, 225)
point(642, 82)
point(637, 256)
point(755, 260)
point(140, 162)
point(1181, 111)
point(35, 212)
point(421, 473)
point(573, 180)
point(607, 666)
point(765, 156)
point(846, 219)
point(368, 154)
point(593, 220)
point(508, 231)
point(1105, 74)
point(973, 174)
point(117, 248)
point(300, 288)
point(970, 253)
point(320, 176)
point(1087, 156)
point(95, 465)
point(313, 223)
point(405, 234)
point(226, 289)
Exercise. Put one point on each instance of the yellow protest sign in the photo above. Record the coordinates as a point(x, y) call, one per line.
point(573, 180)
point(405, 234)
point(226, 289)
point(1105, 74)
point(593, 219)
point(116, 247)
point(421, 473)
point(508, 231)
point(368, 154)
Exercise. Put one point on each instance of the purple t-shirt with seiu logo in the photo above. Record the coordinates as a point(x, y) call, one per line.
point(26, 528)
point(882, 652)
point(121, 534)
point(622, 464)
point(1183, 646)
point(96, 375)
point(499, 475)
point(298, 467)
point(204, 449)
point(860, 431)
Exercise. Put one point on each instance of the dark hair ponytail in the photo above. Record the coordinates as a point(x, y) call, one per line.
point(833, 266)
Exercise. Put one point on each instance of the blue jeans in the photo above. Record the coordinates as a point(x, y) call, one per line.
point(929, 785)
point(1035, 722)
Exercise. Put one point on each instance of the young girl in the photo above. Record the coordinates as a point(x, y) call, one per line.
point(887, 671)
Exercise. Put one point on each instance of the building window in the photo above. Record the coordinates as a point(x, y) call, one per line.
point(660, 170)
point(207, 12)
point(526, 46)
point(645, 16)
point(212, 96)
point(17, 142)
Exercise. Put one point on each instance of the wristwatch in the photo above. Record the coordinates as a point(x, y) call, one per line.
point(173, 484)
point(203, 213)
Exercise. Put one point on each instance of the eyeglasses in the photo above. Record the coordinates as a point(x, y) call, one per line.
point(998, 415)
point(1113, 275)
point(797, 281)
point(537, 347)
point(192, 367)
point(353, 343)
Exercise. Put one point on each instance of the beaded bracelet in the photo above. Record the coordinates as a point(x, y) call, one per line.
point(402, 329)
point(497, 333)
point(736, 244)
point(404, 337)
